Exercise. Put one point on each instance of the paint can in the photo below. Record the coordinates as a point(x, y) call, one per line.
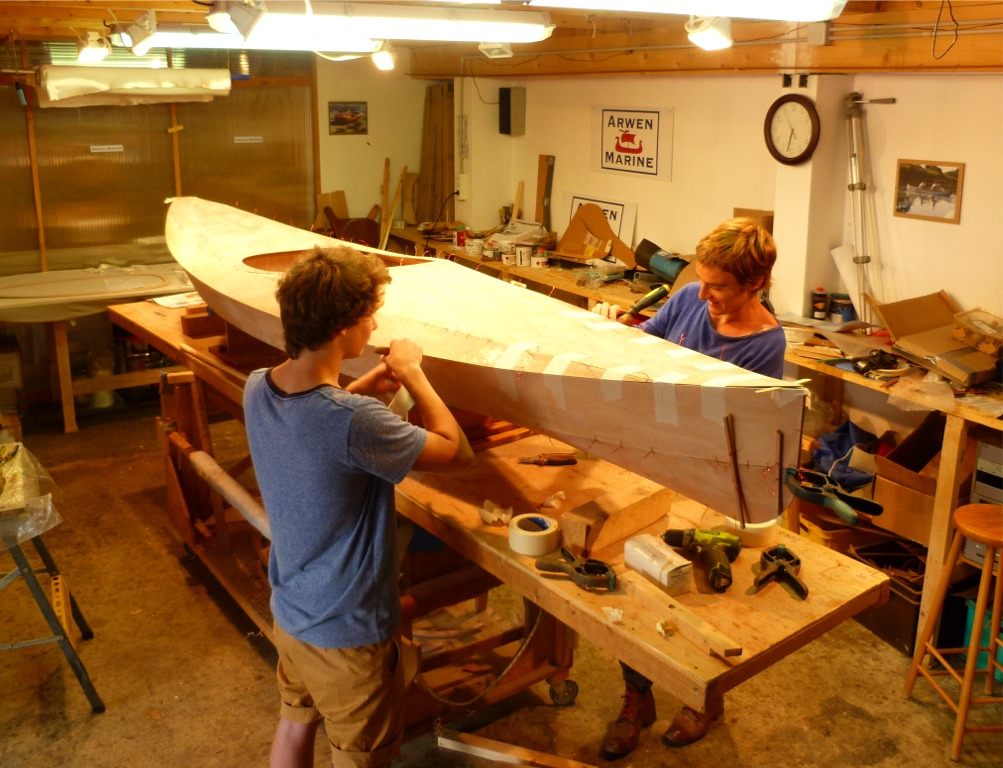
point(841, 308)
point(523, 255)
point(509, 258)
point(539, 259)
point(820, 304)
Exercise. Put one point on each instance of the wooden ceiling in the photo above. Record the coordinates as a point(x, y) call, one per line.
point(868, 36)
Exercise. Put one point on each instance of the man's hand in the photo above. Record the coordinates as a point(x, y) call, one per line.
point(616, 312)
point(378, 381)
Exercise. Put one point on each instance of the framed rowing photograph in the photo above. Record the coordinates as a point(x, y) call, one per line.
point(347, 118)
point(929, 190)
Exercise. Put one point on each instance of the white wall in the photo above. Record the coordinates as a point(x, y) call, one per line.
point(396, 111)
point(720, 162)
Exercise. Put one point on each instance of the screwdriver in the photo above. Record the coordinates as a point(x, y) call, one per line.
point(550, 459)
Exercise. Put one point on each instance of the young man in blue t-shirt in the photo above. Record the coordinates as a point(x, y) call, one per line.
point(326, 458)
point(721, 316)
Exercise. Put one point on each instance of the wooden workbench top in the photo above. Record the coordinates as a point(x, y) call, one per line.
point(768, 625)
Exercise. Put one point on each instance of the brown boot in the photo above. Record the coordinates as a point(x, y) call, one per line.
point(689, 726)
point(638, 712)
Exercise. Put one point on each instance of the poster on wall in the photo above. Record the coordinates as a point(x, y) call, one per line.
point(618, 213)
point(633, 141)
point(929, 190)
point(347, 118)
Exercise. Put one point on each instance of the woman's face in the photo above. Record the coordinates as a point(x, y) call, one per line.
point(722, 291)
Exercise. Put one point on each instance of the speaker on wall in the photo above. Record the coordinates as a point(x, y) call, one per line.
point(512, 111)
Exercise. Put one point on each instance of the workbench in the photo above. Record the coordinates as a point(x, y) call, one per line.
point(767, 625)
point(961, 419)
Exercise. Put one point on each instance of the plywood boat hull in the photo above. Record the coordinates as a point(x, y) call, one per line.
point(630, 398)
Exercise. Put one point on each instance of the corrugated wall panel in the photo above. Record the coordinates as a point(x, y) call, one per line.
point(18, 231)
point(252, 150)
point(104, 173)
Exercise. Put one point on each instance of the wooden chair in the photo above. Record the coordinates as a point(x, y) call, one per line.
point(984, 524)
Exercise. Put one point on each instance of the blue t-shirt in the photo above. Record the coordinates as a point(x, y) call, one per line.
point(326, 462)
point(684, 320)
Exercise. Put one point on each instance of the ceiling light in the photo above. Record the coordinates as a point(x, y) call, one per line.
point(711, 34)
point(219, 19)
point(385, 59)
point(279, 24)
point(142, 33)
point(775, 10)
point(496, 50)
point(93, 49)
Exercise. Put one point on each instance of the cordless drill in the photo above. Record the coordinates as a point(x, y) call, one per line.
point(716, 549)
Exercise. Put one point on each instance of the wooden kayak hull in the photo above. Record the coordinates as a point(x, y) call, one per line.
point(700, 426)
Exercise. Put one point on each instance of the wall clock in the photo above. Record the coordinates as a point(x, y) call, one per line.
point(792, 129)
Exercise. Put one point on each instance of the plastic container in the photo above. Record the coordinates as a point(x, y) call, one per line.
point(982, 660)
point(659, 563)
point(980, 330)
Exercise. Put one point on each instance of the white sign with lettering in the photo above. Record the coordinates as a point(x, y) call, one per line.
point(637, 141)
point(619, 214)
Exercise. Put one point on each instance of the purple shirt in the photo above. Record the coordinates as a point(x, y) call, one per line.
point(685, 320)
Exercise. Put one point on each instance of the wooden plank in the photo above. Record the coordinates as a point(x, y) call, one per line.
point(479, 746)
point(544, 186)
point(680, 618)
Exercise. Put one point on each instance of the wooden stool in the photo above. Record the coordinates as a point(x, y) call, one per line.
point(984, 524)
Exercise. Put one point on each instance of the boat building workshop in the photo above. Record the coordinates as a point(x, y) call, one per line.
point(682, 320)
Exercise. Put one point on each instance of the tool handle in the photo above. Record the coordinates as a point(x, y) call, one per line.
point(553, 565)
point(653, 296)
point(718, 568)
point(845, 512)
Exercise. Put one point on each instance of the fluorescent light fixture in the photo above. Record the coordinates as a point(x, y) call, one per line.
point(141, 33)
point(774, 10)
point(385, 59)
point(711, 34)
point(312, 26)
point(94, 49)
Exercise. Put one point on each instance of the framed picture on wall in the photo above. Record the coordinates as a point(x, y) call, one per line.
point(347, 117)
point(929, 190)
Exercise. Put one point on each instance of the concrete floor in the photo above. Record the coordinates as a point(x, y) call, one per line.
point(188, 681)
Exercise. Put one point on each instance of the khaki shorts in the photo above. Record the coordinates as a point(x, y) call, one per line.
point(358, 692)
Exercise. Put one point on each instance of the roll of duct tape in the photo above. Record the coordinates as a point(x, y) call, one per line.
point(534, 535)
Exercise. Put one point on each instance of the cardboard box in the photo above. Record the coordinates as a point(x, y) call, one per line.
point(906, 480)
point(923, 331)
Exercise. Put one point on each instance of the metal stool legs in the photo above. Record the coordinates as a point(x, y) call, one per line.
point(59, 633)
point(966, 680)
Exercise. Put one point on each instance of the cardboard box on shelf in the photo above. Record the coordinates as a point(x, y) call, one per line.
point(923, 331)
point(906, 480)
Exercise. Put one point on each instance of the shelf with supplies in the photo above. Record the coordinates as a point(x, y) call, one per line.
point(967, 419)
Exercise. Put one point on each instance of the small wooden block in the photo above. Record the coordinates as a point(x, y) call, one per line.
point(198, 323)
point(592, 527)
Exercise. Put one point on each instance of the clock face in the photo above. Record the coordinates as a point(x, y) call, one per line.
point(792, 129)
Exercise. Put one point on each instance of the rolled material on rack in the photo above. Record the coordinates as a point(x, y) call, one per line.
point(533, 534)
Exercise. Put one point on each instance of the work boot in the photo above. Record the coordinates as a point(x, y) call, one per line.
point(638, 712)
point(689, 726)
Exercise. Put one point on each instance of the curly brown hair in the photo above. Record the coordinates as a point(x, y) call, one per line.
point(743, 248)
point(325, 292)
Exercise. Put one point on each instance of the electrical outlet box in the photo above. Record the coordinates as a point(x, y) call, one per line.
point(463, 186)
